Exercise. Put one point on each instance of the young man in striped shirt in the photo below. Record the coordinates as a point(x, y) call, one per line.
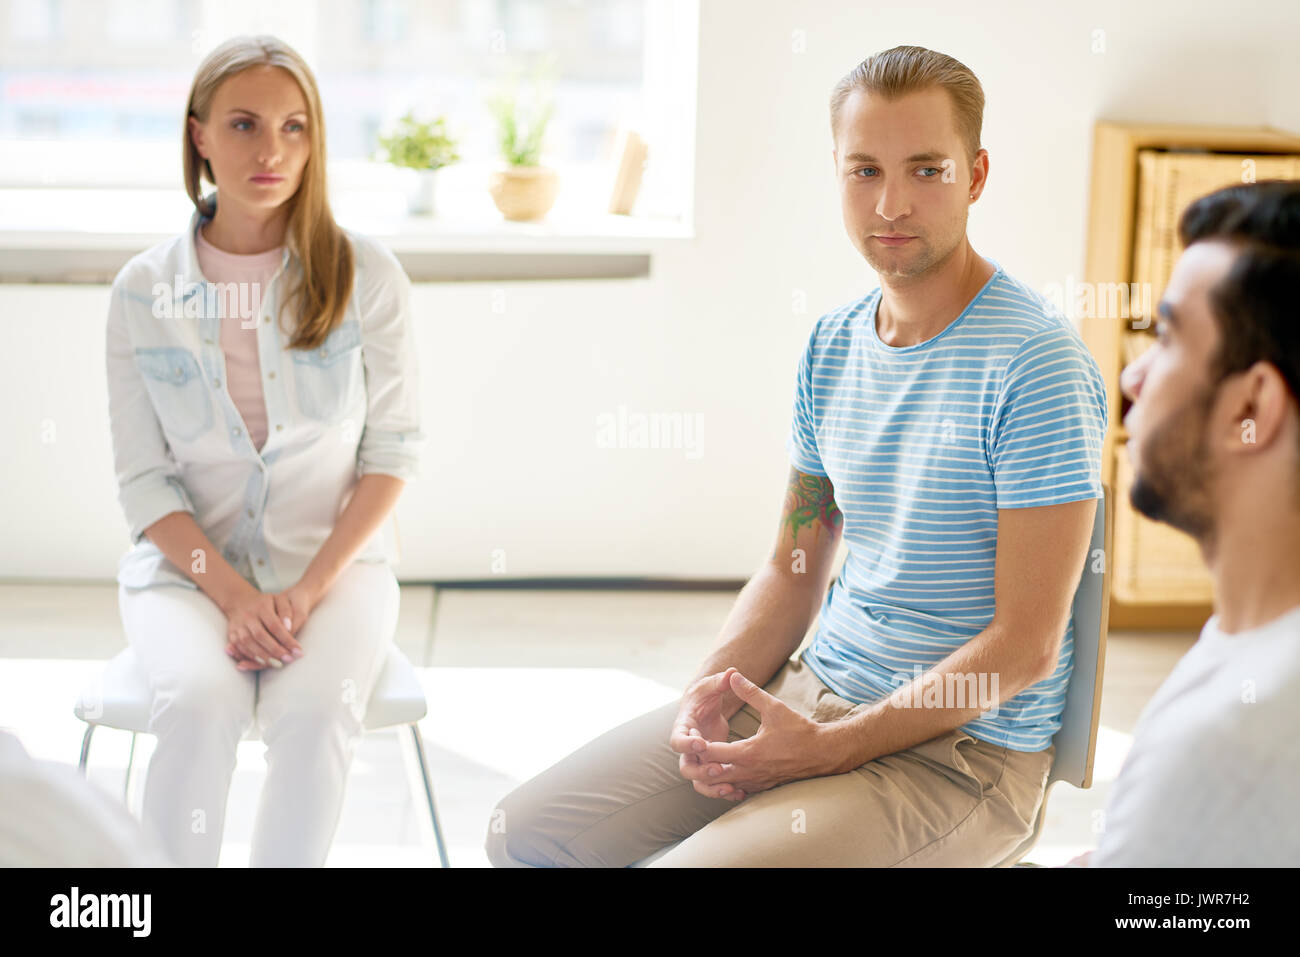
point(949, 426)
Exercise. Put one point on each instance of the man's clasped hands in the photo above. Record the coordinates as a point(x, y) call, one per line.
point(786, 747)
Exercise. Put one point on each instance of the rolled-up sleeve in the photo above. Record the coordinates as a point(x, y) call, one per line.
point(392, 442)
point(148, 481)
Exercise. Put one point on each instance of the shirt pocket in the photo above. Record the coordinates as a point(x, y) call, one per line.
point(326, 377)
point(175, 384)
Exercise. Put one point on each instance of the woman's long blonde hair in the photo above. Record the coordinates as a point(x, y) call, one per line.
point(324, 254)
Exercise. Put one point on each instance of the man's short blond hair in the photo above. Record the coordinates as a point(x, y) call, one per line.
point(902, 70)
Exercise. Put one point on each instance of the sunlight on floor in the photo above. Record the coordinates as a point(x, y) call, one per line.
point(504, 724)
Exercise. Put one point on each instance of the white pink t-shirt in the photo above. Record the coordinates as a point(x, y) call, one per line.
point(239, 330)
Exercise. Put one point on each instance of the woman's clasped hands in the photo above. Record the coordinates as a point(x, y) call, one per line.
point(261, 628)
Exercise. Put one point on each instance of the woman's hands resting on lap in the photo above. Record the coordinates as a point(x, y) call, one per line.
point(261, 627)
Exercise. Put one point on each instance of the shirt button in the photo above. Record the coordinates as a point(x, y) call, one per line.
point(260, 562)
point(279, 427)
point(235, 430)
point(208, 341)
point(250, 513)
point(271, 375)
point(217, 383)
point(266, 318)
point(324, 352)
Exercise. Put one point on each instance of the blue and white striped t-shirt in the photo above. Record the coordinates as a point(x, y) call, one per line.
point(1005, 408)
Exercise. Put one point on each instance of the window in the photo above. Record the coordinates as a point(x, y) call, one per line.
point(92, 93)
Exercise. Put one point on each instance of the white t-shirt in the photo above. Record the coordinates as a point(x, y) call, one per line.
point(1213, 777)
point(51, 817)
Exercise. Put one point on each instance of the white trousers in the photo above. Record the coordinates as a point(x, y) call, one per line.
point(309, 714)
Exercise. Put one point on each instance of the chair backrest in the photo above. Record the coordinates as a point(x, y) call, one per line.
point(1076, 740)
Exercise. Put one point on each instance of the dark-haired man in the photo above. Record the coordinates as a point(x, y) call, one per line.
point(1213, 776)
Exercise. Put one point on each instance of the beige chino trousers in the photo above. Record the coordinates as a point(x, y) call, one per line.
point(951, 801)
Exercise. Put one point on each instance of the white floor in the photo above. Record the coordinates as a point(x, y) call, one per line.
point(515, 680)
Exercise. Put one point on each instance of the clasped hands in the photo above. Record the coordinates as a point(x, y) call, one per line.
point(261, 627)
point(786, 747)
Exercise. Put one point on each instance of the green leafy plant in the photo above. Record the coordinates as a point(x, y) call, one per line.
point(521, 123)
point(418, 144)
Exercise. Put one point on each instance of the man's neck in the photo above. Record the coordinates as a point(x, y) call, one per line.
point(245, 232)
point(1255, 557)
point(915, 309)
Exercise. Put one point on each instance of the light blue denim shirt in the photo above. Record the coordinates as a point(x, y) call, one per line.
point(335, 413)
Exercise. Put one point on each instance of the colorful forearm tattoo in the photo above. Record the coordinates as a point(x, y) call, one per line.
point(809, 499)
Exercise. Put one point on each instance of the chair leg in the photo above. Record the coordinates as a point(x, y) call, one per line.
point(426, 778)
point(85, 749)
point(130, 767)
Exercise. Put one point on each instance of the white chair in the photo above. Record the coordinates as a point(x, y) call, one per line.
point(1076, 739)
point(119, 698)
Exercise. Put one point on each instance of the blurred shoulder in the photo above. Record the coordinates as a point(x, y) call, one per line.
point(374, 260)
point(161, 262)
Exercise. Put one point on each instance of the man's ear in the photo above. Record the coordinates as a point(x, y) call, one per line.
point(1260, 403)
point(979, 173)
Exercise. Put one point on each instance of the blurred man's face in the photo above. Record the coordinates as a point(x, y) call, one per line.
point(903, 172)
point(1174, 406)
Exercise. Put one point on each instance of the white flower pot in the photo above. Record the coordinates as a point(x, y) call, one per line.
point(420, 192)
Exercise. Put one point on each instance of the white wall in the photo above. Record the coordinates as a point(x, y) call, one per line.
point(512, 399)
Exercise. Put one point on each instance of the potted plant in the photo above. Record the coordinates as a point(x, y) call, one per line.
point(425, 148)
point(522, 189)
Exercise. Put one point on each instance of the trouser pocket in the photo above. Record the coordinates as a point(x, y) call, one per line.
point(982, 763)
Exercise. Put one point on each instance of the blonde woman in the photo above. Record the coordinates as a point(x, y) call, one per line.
point(263, 401)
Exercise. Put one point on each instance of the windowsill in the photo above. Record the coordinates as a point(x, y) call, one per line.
point(60, 235)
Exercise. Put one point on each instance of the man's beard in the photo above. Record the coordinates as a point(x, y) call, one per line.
point(1174, 484)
